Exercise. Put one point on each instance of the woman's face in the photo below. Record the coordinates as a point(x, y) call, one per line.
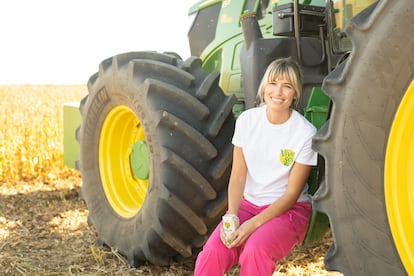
point(279, 94)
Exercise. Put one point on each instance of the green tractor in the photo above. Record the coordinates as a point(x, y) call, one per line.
point(155, 130)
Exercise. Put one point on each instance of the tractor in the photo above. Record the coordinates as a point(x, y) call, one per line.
point(154, 132)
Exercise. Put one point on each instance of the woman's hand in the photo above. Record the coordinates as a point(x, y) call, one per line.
point(223, 236)
point(240, 235)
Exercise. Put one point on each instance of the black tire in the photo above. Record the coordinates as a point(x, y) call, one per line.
point(188, 124)
point(366, 91)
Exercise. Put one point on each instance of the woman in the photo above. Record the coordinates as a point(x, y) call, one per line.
point(267, 191)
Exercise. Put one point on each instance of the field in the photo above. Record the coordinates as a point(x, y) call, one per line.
point(43, 219)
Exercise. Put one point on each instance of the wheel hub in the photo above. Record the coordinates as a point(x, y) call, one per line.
point(139, 160)
point(123, 161)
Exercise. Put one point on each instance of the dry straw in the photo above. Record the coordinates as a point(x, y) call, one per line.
point(31, 136)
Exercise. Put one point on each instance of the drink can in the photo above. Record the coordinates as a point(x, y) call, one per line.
point(230, 224)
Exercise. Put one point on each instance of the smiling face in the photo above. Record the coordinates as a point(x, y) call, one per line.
point(279, 94)
point(282, 82)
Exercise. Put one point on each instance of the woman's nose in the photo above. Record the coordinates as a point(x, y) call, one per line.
point(277, 90)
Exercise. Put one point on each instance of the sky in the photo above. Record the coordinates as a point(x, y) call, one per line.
point(63, 41)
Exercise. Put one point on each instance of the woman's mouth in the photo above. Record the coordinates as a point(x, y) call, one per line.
point(277, 100)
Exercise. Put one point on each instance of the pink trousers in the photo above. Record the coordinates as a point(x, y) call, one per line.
point(270, 243)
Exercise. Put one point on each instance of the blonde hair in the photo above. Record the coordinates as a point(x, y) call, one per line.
point(282, 68)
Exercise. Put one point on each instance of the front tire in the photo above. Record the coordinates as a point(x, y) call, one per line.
point(155, 155)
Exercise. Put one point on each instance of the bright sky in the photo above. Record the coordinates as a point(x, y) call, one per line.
point(63, 41)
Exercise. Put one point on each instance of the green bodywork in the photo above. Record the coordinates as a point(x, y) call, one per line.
point(223, 53)
point(316, 112)
point(71, 121)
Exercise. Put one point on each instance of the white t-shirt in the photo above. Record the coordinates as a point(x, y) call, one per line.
point(270, 150)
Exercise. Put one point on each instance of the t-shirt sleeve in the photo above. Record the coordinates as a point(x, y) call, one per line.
point(307, 155)
point(238, 136)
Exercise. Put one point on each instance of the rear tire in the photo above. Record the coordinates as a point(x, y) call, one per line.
point(155, 155)
point(366, 92)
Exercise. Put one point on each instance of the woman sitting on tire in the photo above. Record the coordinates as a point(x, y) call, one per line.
point(267, 193)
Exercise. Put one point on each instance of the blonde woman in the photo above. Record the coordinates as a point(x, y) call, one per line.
point(267, 193)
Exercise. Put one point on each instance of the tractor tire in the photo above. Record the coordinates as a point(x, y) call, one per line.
point(366, 194)
point(155, 155)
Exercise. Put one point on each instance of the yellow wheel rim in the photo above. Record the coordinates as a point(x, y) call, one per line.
point(399, 180)
point(121, 133)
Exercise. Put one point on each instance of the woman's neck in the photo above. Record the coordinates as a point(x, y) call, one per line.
point(278, 117)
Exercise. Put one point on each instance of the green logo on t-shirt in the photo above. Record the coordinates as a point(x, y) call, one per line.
point(286, 157)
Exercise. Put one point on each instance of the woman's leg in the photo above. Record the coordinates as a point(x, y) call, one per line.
point(274, 240)
point(216, 258)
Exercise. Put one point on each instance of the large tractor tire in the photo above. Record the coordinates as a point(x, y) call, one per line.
point(368, 146)
point(155, 155)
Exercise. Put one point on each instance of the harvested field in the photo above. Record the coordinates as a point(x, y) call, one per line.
point(43, 220)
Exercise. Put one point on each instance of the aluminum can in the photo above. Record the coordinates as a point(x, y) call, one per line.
point(230, 224)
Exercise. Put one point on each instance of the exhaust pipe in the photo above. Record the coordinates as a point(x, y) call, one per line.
point(250, 58)
point(250, 28)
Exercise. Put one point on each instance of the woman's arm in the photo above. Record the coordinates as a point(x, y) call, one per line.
point(236, 186)
point(237, 181)
point(297, 179)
